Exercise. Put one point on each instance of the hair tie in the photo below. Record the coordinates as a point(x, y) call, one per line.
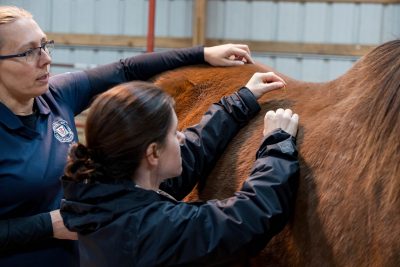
point(81, 152)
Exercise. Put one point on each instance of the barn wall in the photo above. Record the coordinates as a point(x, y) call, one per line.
point(312, 22)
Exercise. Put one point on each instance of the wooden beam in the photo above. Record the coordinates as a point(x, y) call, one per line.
point(124, 41)
point(199, 22)
point(299, 48)
point(101, 40)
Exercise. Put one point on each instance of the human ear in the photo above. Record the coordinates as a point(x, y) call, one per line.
point(152, 154)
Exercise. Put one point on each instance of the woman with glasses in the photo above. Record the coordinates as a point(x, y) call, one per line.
point(37, 128)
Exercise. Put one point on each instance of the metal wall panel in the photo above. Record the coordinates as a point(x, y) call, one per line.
point(369, 29)
point(135, 23)
point(335, 23)
point(262, 22)
point(174, 18)
point(316, 21)
point(391, 22)
point(344, 23)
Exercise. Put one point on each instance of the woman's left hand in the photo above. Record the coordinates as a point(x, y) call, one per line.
point(228, 55)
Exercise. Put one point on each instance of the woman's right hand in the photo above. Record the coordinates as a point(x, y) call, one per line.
point(59, 229)
point(284, 119)
point(262, 82)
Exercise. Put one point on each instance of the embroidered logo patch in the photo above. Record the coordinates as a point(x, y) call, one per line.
point(62, 131)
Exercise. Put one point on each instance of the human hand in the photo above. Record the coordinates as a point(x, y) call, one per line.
point(59, 229)
point(262, 82)
point(227, 55)
point(283, 119)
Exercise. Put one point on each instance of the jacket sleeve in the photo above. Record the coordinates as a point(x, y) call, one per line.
point(219, 230)
point(78, 88)
point(143, 67)
point(206, 141)
point(20, 232)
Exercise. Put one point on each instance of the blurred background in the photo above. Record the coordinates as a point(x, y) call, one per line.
point(307, 39)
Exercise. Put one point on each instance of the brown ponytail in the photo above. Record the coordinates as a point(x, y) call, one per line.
point(121, 123)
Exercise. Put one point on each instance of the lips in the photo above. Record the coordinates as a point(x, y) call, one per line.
point(43, 78)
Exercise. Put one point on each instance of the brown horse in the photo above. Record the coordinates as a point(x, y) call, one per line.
point(348, 205)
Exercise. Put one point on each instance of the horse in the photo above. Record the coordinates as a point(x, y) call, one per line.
point(347, 209)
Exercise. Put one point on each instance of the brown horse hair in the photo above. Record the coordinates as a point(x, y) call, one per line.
point(372, 111)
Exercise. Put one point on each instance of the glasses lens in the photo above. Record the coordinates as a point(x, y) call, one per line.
point(34, 54)
point(48, 47)
point(31, 55)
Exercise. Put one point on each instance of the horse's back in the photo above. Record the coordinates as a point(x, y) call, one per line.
point(339, 218)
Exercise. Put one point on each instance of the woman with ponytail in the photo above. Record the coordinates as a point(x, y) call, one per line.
point(37, 127)
point(119, 187)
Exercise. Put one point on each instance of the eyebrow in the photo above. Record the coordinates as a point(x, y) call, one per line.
point(32, 44)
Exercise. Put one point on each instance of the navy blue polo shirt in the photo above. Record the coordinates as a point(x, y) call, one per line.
point(36, 183)
point(33, 160)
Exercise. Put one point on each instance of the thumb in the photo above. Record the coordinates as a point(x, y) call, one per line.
point(274, 86)
point(233, 62)
point(293, 125)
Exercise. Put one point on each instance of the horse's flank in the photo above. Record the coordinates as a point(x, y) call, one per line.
point(347, 209)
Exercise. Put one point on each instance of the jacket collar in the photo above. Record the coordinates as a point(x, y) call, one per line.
point(88, 207)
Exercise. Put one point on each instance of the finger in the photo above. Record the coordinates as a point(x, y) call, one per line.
point(293, 125)
point(279, 112)
point(295, 118)
point(280, 79)
point(288, 113)
point(270, 114)
point(232, 62)
point(270, 119)
point(286, 116)
point(238, 52)
point(241, 59)
point(243, 47)
point(279, 117)
point(269, 122)
point(274, 86)
point(272, 77)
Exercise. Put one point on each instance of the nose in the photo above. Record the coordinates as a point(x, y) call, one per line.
point(181, 138)
point(44, 58)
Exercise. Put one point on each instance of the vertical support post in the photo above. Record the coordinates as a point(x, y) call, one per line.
point(199, 22)
point(151, 26)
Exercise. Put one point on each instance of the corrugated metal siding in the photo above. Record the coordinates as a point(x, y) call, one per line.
point(344, 23)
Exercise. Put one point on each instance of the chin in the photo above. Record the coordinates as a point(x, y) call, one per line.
point(41, 90)
point(178, 173)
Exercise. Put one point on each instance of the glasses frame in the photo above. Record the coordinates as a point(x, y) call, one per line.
point(26, 53)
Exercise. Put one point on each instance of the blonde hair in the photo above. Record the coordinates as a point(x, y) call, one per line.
point(9, 14)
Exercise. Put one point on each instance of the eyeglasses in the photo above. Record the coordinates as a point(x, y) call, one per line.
point(34, 53)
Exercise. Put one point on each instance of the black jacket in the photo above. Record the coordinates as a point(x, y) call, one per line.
point(123, 225)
